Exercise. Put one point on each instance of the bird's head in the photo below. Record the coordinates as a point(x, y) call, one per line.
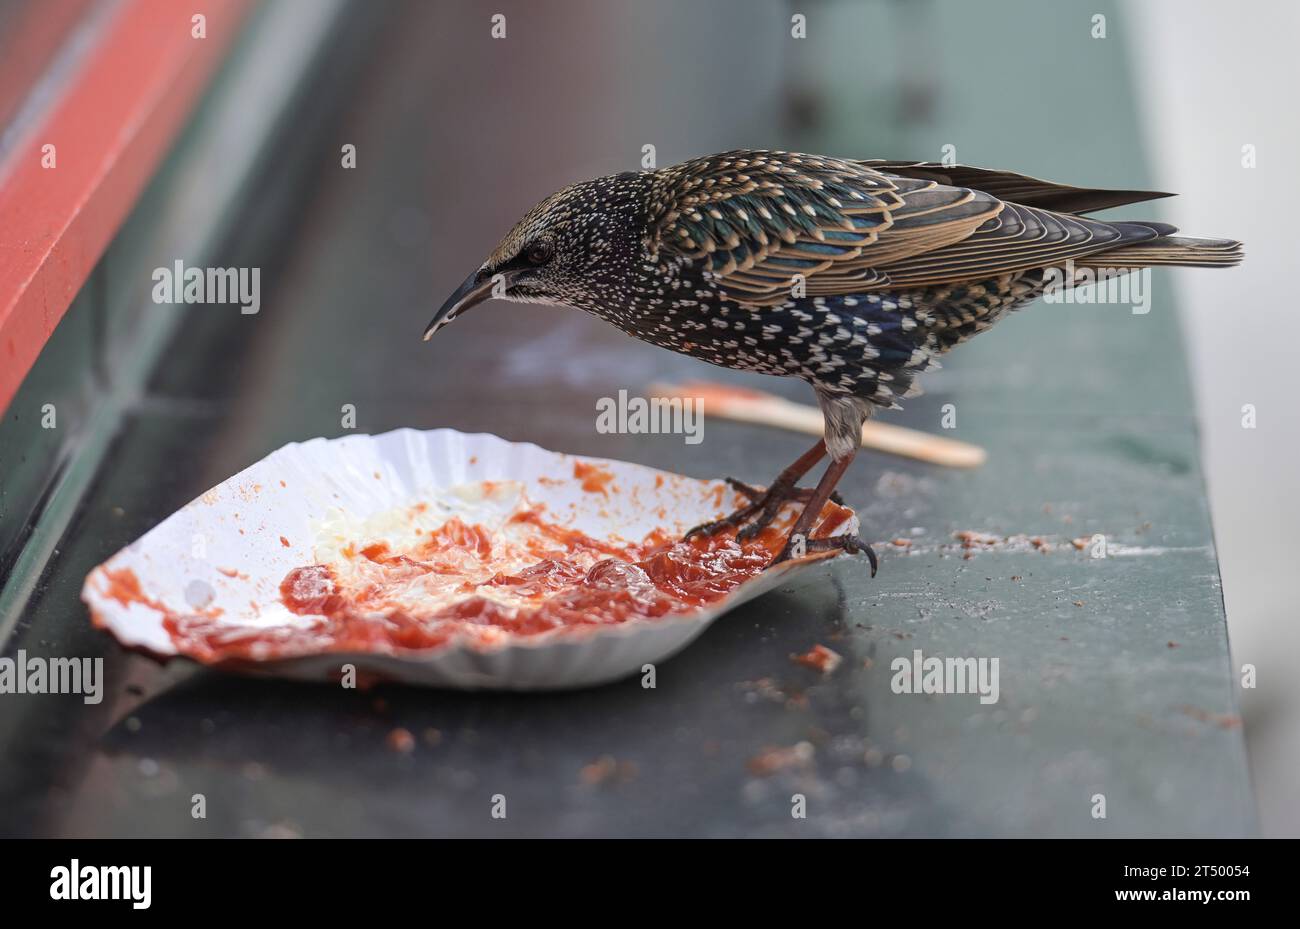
point(575, 248)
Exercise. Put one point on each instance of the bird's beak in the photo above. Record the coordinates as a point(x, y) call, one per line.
point(475, 289)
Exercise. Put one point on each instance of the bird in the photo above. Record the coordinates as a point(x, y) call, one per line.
point(852, 275)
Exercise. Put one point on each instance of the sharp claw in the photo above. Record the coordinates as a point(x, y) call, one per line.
point(850, 544)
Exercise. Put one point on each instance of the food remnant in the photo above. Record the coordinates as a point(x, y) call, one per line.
point(819, 658)
point(1222, 720)
point(123, 586)
point(772, 760)
point(607, 770)
point(517, 573)
point(595, 479)
point(401, 741)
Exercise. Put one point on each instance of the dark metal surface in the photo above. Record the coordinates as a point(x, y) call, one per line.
point(1114, 672)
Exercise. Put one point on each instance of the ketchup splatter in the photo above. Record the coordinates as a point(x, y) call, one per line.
point(370, 600)
point(595, 479)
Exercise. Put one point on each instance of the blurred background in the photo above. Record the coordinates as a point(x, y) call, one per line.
point(457, 132)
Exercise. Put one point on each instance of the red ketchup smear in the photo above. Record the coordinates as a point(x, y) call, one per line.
point(123, 586)
point(595, 479)
point(657, 577)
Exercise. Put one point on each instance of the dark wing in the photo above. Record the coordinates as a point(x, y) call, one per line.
point(759, 218)
point(1017, 188)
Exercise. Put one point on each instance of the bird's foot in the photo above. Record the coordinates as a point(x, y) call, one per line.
point(851, 544)
point(757, 515)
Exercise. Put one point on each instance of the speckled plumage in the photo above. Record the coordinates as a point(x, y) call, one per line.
point(852, 275)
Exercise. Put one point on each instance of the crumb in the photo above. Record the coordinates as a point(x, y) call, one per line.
point(401, 740)
point(1222, 720)
point(772, 760)
point(607, 770)
point(819, 658)
point(284, 542)
point(1172, 645)
point(970, 538)
point(281, 830)
point(764, 688)
point(902, 543)
point(1079, 602)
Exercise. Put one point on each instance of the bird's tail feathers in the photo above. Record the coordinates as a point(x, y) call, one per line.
point(1168, 250)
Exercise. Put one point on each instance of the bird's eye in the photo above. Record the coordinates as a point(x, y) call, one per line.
point(538, 253)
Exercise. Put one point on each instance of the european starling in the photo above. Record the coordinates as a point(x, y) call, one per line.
point(853, 275)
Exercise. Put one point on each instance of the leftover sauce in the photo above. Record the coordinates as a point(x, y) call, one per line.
point(464, 581)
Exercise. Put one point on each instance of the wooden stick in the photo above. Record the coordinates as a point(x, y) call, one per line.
point(755, 406)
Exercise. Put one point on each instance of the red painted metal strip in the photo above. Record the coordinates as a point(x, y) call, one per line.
point(111, 128)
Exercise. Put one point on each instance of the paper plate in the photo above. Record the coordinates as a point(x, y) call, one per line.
point(221, 559)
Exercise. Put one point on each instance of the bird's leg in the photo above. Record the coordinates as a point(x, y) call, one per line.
point(798, 538)
point(764, 505)
point(798, 494)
